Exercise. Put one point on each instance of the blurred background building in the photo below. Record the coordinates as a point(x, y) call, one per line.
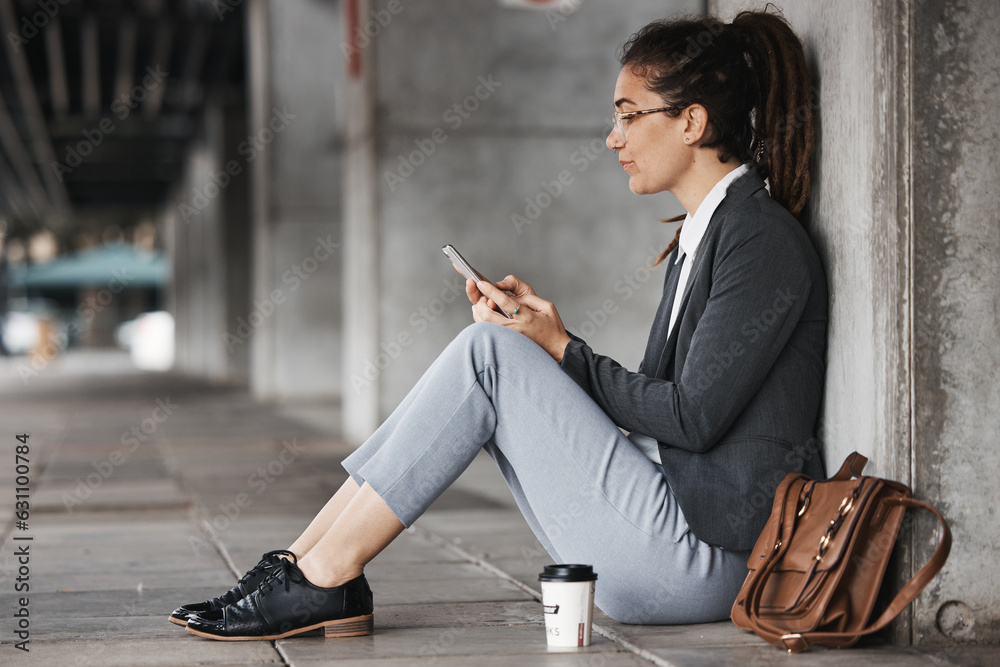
point(256, 193)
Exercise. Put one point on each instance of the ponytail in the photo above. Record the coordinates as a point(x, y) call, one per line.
point(752, 78)
point(783, 115)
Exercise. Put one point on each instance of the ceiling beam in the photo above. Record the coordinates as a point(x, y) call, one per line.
point(58, 88)
point(170, 126)
point(38, 136)
point(128, 31)
point(90, 59)
point(162, 50)
point(119, 194)
point(21, 163)
point(150, 7)
point(133, 171)
point(19, 205)
point(193, 65)
point(226, 40)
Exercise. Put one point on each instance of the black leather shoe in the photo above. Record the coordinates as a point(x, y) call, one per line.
point(287, 604)
point(247, 584)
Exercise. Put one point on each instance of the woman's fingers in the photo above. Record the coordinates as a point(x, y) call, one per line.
point(497, 296)
point(535, 302)
point(515, 285)
point(472, 291)
point(483, 311)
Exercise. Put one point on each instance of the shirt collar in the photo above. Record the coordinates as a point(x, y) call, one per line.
point(695, 226)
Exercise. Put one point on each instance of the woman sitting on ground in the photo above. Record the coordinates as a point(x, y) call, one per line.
point(721, 408)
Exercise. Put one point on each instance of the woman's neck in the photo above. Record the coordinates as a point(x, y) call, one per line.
point(704, 173)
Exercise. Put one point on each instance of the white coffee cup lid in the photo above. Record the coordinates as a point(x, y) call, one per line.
point(568, 572)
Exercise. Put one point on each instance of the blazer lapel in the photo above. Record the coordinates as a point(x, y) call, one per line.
point(742, 188)
point(671, 345)
point(661, 322)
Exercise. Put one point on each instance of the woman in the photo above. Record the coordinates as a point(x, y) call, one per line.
point(721, 408)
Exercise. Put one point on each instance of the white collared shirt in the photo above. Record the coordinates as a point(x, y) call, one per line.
point(692, 232)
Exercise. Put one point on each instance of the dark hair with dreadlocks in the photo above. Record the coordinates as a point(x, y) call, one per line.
point(752, 79)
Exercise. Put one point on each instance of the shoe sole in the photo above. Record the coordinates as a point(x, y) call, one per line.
point(357, 626)
point(177, 621)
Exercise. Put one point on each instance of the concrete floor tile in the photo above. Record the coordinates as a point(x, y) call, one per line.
point(183, 649)
point(765, 655)
point(456, 614)
point(113, 602)
point(131, 579)
point(526, 569)
point(120, 523)
point(524, 641)
point(444, 590)
point(392, 572)
point(412, 548)
point(584, 658)
point(699, 635)
point(107, 628)
point(112, 493)
point(468, 525)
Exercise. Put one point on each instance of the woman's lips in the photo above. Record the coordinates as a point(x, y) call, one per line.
point(625, 165)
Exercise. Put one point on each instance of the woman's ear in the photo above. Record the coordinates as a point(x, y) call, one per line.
point(695, 119)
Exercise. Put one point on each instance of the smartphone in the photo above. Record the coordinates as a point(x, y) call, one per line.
point(463, 265)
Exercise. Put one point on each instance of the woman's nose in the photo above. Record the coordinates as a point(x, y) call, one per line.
point(612, 141)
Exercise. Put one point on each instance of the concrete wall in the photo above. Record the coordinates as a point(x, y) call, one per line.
point(295, 71)
point(956, 299)
point(534, 95)
point(193, 226)
point(904, 220)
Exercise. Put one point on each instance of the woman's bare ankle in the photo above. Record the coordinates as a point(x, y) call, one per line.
point(326, 576)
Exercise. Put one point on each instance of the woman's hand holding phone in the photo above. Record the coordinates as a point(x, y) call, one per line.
point(535, 317)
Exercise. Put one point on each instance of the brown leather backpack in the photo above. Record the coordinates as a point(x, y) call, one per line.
point(817, 566)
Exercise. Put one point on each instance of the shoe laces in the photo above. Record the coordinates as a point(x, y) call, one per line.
point(270, 560)
point(284, 571)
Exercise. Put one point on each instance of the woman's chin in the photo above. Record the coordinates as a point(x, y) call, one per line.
point(636, 186)
point(641, 187)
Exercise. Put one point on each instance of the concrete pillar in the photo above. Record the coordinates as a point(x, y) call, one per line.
point(956, 298)
point(361, 287)
point(294, 153)
point(236, 241)
point(903, 212)
point(192, 222)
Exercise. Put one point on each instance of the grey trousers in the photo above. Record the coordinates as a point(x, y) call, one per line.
point(588, 494)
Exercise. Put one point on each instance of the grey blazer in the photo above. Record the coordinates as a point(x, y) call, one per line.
point(732, 394)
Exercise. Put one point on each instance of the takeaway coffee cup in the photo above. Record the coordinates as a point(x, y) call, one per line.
point(568, 601)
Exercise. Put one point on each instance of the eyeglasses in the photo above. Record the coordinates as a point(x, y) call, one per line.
point(621, 116)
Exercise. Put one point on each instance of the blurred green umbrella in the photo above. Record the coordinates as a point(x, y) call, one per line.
point(114, 263)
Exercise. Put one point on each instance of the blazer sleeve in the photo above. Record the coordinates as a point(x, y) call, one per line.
point(759, 288)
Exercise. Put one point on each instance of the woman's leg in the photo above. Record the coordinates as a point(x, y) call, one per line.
point(365, 527)
point(587, 493)
point(324, 519)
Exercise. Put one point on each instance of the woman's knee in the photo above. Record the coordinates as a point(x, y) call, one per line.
point(492, 337)
point(485, 331)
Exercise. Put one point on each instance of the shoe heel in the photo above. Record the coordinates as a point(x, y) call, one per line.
point(350, 627)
